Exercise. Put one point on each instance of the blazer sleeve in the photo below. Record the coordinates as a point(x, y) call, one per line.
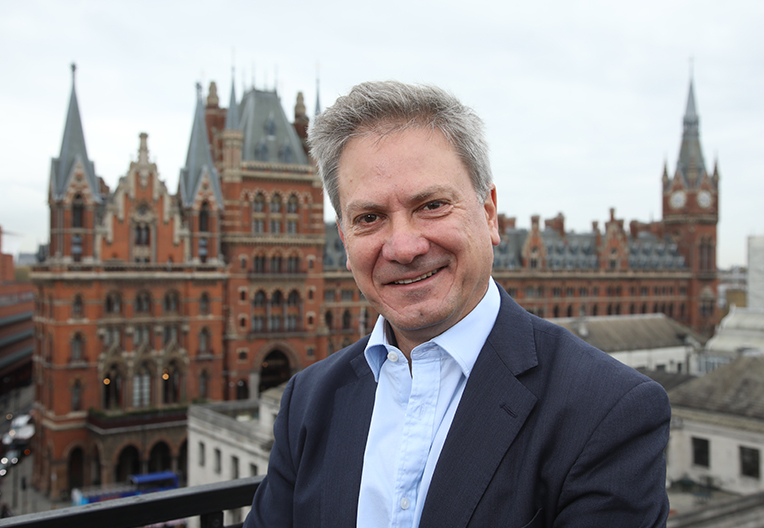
point(619, 477)
point(272, 505)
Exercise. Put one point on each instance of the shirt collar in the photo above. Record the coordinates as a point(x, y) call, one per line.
point(462, 342)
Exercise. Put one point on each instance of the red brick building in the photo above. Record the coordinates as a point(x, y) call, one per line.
point(149, 300)
point(16, 328)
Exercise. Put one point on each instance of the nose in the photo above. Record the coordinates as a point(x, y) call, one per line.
point(405, 242)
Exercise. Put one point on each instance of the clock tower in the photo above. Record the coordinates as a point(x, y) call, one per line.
point(690, 216)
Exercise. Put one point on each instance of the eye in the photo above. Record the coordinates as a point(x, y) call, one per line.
point(433, 206)
point(368, 218)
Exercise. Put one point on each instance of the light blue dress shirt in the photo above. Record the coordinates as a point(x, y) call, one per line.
point(413, 411)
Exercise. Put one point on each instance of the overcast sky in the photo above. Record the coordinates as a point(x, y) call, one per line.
point(583, 101)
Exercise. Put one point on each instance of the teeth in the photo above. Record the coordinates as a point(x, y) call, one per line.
point(423, 277)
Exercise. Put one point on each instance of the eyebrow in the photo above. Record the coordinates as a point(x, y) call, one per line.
point(423, 196)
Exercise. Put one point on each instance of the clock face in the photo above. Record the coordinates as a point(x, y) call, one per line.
point(678, 199)
point(704, 199)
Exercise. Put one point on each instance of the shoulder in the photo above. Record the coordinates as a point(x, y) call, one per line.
point(327, 375)
point(549, 358)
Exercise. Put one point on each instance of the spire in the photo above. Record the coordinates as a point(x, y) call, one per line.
point(690, 152)
point(318, 99)
point(198, 160)
point(73, 149)
point(232, 115)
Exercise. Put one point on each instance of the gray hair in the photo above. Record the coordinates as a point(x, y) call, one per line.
point(390, 106)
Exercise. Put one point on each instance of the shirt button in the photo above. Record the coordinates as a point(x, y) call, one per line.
point(392, 356)
point(405, 503)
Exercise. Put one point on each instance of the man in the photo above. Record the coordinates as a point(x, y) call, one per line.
point(460, 409)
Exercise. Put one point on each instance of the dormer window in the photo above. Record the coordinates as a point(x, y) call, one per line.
point(261, 151)
point(270, 127)
point(204, 218)
point(78, 212)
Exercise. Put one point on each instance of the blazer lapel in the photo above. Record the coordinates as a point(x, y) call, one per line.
point(492, 411)
point(351, 417)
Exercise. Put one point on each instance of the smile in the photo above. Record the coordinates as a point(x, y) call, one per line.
point(417, 279)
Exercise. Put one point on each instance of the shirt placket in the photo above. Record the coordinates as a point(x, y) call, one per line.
point(416, 436)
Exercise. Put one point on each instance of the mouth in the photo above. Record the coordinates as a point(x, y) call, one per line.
point(416, 279)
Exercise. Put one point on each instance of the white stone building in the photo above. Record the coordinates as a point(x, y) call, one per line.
point(230, 440)
point(649, 341)
point(717, 430)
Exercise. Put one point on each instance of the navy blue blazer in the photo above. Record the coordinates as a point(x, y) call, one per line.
point(549, 432)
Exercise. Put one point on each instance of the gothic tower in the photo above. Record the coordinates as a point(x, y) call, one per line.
point(690, 216)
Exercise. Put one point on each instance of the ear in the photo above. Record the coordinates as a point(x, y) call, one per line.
point(492, 215)
point(344, 244)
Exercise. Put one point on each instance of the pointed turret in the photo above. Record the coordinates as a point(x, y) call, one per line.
point(73, 151)
point(198, 160)
point(232, 115)
point(690, 164)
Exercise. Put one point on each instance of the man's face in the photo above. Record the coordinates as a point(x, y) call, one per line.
point(418, 238)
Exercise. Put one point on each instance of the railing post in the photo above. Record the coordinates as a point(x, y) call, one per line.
point(212, 520)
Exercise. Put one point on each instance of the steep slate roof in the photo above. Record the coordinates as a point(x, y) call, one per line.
point(72, 149)
point(617, 333)
point(690, 152)
point(268, 134)
point(334, 251)
point(198, 160)
point(578, 251)
point(736, 388)
point(650, 252)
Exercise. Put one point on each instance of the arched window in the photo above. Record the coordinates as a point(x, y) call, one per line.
point(77, 248)
point(346, 320)
point(292, 204)
point(78, 212)
point(204, 218)
point(171, 381)
point(77, 308)
point(293, 264)
point(204, 304)
point(78, 346)
point(171, 302)
point(142, 386)
point(258, 205)
point(113, 303)
point(293, 299)
point(276, 262)
point(275, 204)
point(259, 299)
point(277, 299)
point(204, 341)
point(76, 395)
point(112, 389)
point(204, 384)
point(143, 303)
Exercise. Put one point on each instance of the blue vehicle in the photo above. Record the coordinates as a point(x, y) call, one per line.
point(136, 485)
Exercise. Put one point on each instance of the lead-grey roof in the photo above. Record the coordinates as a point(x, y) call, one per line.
point(268, 134)
point(198, 160)
point(72, 149)
point(690, 151)
point(578, 251)
point(617, 333)
point(736, 388)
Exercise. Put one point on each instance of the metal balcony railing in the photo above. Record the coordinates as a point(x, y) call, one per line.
point(208, 501)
